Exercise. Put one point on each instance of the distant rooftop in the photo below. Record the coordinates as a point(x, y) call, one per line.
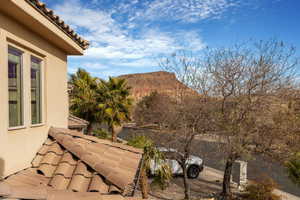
point(76, 122)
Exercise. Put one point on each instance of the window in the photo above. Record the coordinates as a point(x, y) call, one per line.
point(15, 87)
point(36, 103)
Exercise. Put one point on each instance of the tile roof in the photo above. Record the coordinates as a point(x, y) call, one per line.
point(44, 193)
point(76, 122)
point(48, 13)
point(73, 162)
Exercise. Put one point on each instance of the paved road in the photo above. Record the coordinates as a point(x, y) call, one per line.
point(212, 157)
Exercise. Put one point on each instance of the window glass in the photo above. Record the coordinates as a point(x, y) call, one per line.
point(15, 88)
point(36, 103)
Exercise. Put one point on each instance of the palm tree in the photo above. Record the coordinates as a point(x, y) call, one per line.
point(293, 168)
point(84, 97)
point(115, 103)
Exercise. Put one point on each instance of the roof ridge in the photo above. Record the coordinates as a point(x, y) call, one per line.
point(49, 14)
point(94, 139)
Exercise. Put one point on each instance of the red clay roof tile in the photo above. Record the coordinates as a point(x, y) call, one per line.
point(55, 148)
point(65, 169)
point(98, 185)
point(37, 160)
point(51, 158)
point(44, 193)
point(69, 161)
point(60, 182)
point(23, 192)
point(28, 177)
point(68, 158)
point(79, 183)
point(114, 190)
point(43, 150)
point(47, 170)
point(82, 169)
point(105, 157)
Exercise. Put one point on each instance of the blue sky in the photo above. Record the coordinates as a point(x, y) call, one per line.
point(127, 36)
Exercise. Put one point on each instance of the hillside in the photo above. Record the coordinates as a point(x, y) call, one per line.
point(162, 82)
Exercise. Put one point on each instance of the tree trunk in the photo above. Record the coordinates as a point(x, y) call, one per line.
point(144, 183)
point(186, 184)
point(89, 129)
point(113, 134)
point(226, 192)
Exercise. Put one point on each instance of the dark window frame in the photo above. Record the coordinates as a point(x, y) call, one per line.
point(16, 52)
point(35, 60)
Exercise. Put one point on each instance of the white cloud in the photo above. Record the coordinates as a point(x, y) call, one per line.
point(114, 44)
point(94, 66)
point(137, 63)
point(111, 52)
point(150, 43)
point(78, 16)
point(181, 10)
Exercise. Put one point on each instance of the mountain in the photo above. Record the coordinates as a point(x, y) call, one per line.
point(162, 82)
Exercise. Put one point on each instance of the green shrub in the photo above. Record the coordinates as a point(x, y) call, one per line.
point(162, 177)
point(102, 134)
point(293, 169)
point(140, 142)
point(163, 174)
point(261, 190)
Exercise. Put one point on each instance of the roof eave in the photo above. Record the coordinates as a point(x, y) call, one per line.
point(49, 14)
point(26, 14)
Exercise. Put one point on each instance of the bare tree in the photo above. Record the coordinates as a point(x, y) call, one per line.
point(186, 122)
point(240, 98)
point(187, 115)
point(180, 124)
point(245, 86)
point(182, 116)
point(246, 82)
point(152, 109)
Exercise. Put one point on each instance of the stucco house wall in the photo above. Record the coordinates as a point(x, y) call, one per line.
point(19, 146)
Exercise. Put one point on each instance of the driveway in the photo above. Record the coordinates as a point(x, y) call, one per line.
point(208, 150)
point(205, 186)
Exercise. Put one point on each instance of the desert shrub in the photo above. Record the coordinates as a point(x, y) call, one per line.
point(293, 169)
point(261, 190)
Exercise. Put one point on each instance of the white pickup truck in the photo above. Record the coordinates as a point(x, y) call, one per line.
point(194, 164)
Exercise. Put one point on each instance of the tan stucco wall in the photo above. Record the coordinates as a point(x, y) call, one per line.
point(29, 16)
point(18, 147)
